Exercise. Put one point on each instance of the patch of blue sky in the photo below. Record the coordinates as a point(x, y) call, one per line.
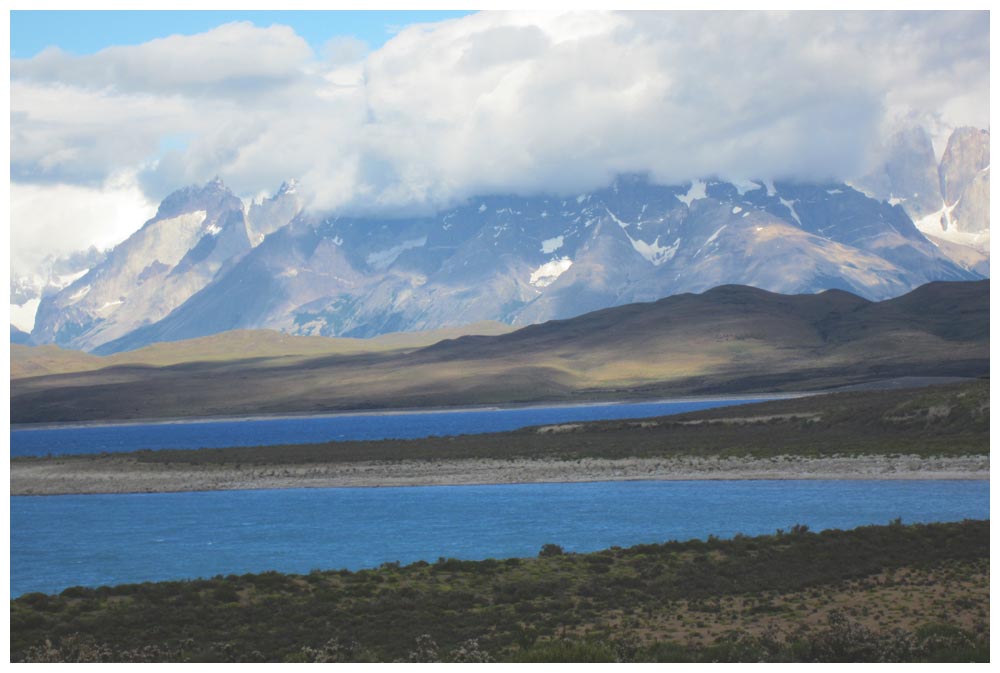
point(175, 142)
point(88, 31)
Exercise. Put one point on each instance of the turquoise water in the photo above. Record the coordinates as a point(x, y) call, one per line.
point(309, 429)
point(93, 540)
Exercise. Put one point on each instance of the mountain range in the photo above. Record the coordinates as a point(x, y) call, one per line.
point(208, 263)
point(728, 339)
point(948, 200)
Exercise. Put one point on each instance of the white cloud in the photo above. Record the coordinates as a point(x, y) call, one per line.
point(56, 220)
point(233, 59)
point(345, 50)
point(69, 134)
point(497, 102)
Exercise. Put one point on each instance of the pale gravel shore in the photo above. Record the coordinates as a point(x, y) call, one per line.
point(55, 476)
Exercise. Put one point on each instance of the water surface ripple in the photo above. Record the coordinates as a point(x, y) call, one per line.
point(309, 429)
point(93, 540)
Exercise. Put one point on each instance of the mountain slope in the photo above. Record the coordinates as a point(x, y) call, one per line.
point(729, 339)
point(193, 233)
point(19, 336)
point(907, 174)
point(52, 274)
point(949, 200)
point(526, 260)
point(197, 234)
point(237, 344)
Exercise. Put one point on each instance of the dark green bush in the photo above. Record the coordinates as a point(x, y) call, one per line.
point(551, 550)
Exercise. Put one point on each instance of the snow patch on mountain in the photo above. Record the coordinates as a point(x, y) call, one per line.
point(654, 252)
point(78, 295)
point(744, 186)
point(716, 234)
point(791, 207)
point(550, 245)
point(23, 316)
point(59, 282)
point(940, 225)
point(547, 273)
point(384, 258)
point(937, 223)
point(618, 221)
point(696, 191)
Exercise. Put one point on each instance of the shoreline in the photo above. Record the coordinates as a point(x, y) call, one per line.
point(400, 411)
point(599, 400)
point(115, 475)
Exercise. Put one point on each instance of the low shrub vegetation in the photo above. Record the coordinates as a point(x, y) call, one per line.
point(877, 593)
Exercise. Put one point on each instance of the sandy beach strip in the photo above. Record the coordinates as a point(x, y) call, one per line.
point(111, 474)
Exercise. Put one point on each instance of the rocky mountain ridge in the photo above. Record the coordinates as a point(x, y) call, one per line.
point(948, 200)
point(50, 276)
point(208, 263)
point(194, 269)
point(197, 233)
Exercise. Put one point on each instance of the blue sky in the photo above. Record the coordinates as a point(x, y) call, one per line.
point(86, 32)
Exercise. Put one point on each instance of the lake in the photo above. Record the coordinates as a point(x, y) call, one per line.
point(310, 429)
point(93, 540)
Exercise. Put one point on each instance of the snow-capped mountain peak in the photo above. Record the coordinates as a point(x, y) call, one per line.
point(206, 264)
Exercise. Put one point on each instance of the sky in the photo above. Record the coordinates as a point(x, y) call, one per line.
point(87, 32)
point(401, 112)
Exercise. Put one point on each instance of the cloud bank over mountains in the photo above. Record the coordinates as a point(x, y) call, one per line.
point(492, 102)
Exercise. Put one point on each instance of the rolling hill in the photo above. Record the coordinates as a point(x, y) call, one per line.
point(728, 339)
point(29, 361)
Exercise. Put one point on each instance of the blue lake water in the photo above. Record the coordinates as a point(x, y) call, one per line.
point(93, 540)
point(309, 429)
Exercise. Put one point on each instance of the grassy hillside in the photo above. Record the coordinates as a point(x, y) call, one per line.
point(730, 339)
point(28, 361)
point(878, 593)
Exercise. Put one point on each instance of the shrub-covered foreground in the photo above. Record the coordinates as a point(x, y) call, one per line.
point(877, 593)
